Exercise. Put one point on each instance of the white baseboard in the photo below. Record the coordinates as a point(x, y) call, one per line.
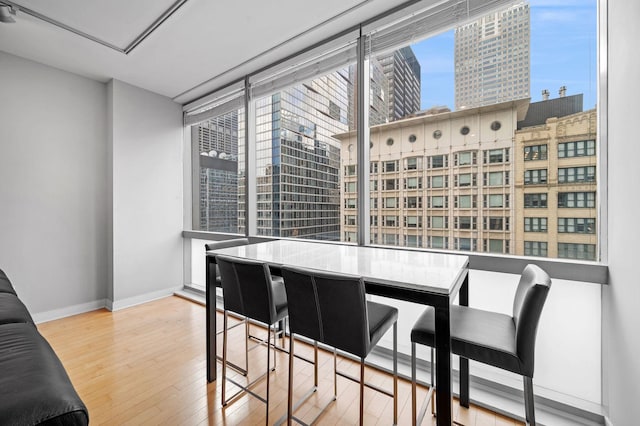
point(68, 311)
point(114, 305)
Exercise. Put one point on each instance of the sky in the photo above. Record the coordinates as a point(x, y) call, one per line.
point(563, 53)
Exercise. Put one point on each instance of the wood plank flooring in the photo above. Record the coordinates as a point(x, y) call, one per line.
point(146, 365)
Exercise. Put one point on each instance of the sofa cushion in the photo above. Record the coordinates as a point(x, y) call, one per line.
point(34, 386)
point(13, 310)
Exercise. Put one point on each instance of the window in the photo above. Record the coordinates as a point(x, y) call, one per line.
point(438, 202)
point(390, 166)
point(373, 203)
point(535, 201)
point(496, 201)
point(465, 244)
point(495, 246)
point(390, 203)
point(439, 181)
point(535, 224)
point(492, 156)
point(350, 203)
point(577, 149)
point(576, 200)
point(465, 179)
point(438, 222)
point(577, 174)
point(438, 161)
point(494, 223)
point(413, 183)
point(465, 158)
point(577, 251)
point(438, 242)
point(349, 187)
point(373, 220)
point(373, 185)
point(535, 248)
point(412, 202)
point(390, 239)
point(495, 178)
point(413, 163)
point(535, 177)
point(413, 221)
point(390, 184)
point(350, 220)
point(350, 170)
point(535, 152)
point(413, 240)
point(465, 201)
point(391, 221)
point(465, 222)
point(373, 167)
point(576, 225)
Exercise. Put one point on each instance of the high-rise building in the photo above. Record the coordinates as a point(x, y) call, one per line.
point(217, 140)
point(439, 181)
point(402, 72)
point(298, 160)
point(492, 58)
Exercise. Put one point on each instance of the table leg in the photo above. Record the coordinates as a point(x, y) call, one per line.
point(443, 365)
point(464, 362)
point(211, 322)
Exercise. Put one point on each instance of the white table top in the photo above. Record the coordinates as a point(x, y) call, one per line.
point(430, 272)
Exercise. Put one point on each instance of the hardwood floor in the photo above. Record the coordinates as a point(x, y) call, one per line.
point(146, 365)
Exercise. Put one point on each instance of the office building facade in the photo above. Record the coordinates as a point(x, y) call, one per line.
point(402, 72)
point(440, 181)
point(492, 58)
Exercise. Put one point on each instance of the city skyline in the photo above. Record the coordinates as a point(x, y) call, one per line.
point(561, 55)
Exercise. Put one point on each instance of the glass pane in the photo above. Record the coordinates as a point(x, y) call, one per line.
point(220, 143)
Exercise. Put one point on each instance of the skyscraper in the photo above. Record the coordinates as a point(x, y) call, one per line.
point(492, 58)
point(402, 72)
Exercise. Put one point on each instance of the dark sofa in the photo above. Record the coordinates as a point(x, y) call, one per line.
point(34, 386)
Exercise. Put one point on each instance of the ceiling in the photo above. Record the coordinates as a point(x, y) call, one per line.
point(195, 46)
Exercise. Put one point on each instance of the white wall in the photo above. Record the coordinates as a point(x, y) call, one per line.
point(146, 155)
point(621, 299)
point(53, 180)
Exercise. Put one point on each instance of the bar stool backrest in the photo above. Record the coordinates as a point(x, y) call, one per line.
point(249, 286)
point(327, 307)
point(214, 270)
point(527, 307)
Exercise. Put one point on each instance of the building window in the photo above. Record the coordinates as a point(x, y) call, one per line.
point(535, 201)
point(390, 203)
point(577, 251)
point(439, 181)
point(576, 200)
point(390, 184)
point(438, 202)
point(390, 239)
point(437, 134)
point(390, 221)
point(495, 223)
point(373, 185)
point(493, 246)
point(535, 248)
point(438, 161)
point(465, 158)
point(577, 149)
point(496, 201)
point(413, 183)
point(465, 244)
point(535, 177)
point(465, 201)
point(350, 203)
point(495, 178)
point(464, 130)
point(349, 187)
point(576, 225)
point(577, 174)
point(465, 179)
point(413, 241)
point(350, 220)
point(438, 222)
point(535, 224)
point(373, 220)
point(350, 170)
point(464, 222)
point(535, 152)
point(413, 163)
point(439, 242)
point(492, 156)
point(373, 203)
point(412, 202)
point(390, 166)
point(373, 167)
point(413, 221)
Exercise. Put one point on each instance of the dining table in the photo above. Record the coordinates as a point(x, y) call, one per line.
point(418, 276)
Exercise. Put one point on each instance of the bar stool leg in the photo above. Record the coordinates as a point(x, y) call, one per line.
point(433, 384)
point(290, 390)
point(395, 373)
point(224, 358)
point(414, 401)
point(361, 391)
